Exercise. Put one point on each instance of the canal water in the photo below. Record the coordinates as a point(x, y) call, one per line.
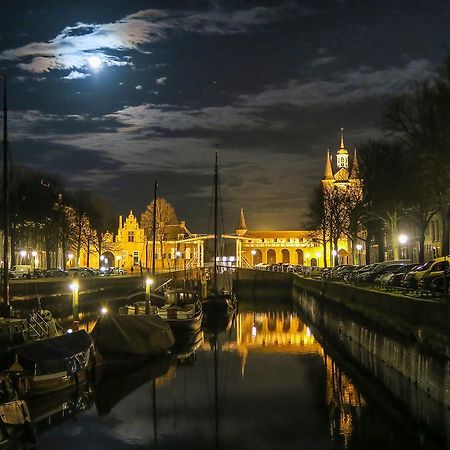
point(263, 382)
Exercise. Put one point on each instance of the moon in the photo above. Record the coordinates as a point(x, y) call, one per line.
point(95, 62)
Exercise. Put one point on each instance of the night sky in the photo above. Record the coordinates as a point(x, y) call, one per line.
point(111, 95)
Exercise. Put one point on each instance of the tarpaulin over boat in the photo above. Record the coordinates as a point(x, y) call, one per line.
point(132, 335)
point(68, 352)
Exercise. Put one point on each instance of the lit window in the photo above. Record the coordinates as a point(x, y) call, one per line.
point(131, 236)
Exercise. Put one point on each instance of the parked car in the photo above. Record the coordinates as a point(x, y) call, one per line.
point(21, 271)
point(431, 268)
point(438, 284)
point(80, 272)
point(395, 278)
point(56, 273)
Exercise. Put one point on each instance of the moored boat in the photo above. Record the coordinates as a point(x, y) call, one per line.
point(138, 335)
point(49, 365)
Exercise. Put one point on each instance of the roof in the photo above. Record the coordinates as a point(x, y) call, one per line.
point(172, 232)
point(272, 234)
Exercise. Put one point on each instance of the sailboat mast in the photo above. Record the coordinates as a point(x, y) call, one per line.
point(5, 274)
point(216, 182)
point(154, 231)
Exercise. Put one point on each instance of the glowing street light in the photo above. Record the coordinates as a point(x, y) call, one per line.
point(359, 248)
point(318, 255)
point(253, 257)
point(104, 310)
point(148, 284)
point(403, 238)
point(70, 257)
point(118, 258)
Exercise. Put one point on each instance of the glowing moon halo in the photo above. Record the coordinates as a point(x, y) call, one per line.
point(95, 62)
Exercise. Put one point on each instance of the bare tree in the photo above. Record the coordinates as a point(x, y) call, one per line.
point(165, 215)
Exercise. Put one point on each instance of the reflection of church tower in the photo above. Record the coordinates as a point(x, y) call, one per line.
point(242, 227)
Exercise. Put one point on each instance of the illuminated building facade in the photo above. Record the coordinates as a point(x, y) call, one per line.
point(176, 248)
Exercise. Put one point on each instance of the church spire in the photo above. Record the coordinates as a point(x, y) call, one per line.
point(355, 167)
point(242, 227)
point(328, 168)
point(342, 139)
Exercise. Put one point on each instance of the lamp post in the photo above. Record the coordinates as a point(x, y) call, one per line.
point(70, 257)
point(359, 248)
point(177, 257)
point(403, 239)
point(148, 284)
point(318, 255)
point(253, 257)
point(334, 254)
point(34, 255)
point(118, 258)
point(75, 287)
point(23, 254)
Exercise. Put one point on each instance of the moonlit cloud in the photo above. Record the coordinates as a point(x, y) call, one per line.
point(75, 46)
point(75, 75)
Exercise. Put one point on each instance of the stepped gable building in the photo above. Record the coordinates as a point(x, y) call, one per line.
point(176, 248)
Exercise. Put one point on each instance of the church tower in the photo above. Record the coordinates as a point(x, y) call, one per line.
point(242, 227)
point(342, 154)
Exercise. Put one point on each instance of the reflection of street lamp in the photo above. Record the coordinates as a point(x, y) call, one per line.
point(148, 284)
point(359, 248)
point(75, 287)
point(253, 257)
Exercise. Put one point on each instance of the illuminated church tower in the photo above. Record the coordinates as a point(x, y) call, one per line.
point(343, 177)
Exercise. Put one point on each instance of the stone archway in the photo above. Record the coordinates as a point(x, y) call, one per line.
point(271, 256)
point(300, 258)
point(313, 262)
point(257, 257)
point(286, 256)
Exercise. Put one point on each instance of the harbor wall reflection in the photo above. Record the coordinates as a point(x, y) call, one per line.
point(417, 380)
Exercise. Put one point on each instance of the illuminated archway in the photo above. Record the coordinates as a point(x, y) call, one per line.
point(107, 260)
point(300, 259)
point(313, 262)
point(257, 257)
point(271, 257)
point(286, 256)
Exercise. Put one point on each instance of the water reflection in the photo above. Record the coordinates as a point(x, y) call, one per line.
point(262, 381)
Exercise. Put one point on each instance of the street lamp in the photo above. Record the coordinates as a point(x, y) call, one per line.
point(34, 254)
point(403, 239)
point(118, 258)
point(70, 257)
point(23, 253)
point(334, 253)
point(177, 256)
point(359, 248)
point(318, 255)
point(148, 284)
point(253, 252)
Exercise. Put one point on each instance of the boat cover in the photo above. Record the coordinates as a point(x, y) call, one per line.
point(68, 352)
point(147, 335)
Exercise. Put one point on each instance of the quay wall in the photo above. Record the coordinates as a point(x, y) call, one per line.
point(56, 292)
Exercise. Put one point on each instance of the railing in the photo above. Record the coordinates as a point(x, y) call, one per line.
point(245, 263)
point(38, 327)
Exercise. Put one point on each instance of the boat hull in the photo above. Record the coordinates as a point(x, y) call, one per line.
point(134, 335)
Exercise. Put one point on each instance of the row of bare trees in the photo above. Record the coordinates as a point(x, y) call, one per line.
point(45, 215)
point(406, 175)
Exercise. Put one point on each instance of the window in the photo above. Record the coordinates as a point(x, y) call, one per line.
point(131, 236)
point(136, 257)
